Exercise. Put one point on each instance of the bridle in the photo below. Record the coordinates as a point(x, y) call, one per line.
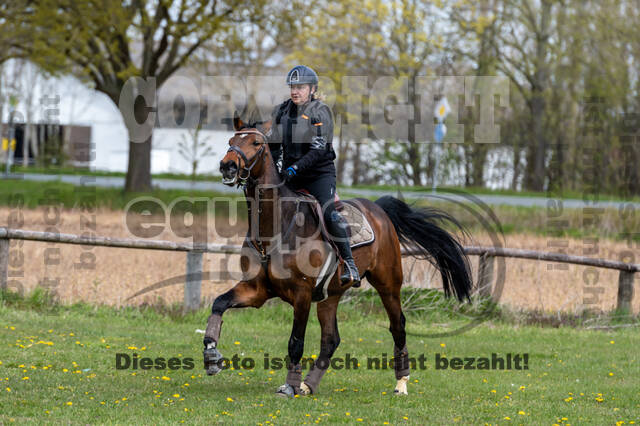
point(239, 179)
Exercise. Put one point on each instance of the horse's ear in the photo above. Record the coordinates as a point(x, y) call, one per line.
point(237, 122)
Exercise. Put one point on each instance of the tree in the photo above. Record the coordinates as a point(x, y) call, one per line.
point(472, 39)
point(109, 42)
point(194, 148)
point(374, 38)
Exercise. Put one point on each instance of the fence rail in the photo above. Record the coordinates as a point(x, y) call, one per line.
point(193, 282)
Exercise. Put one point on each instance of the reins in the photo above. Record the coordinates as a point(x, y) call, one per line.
point(246, 181)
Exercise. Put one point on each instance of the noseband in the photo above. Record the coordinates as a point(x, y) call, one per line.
point(248, 165)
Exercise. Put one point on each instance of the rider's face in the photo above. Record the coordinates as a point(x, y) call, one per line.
point(300, 93)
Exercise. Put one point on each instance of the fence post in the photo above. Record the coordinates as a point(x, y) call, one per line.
point(193, 284)
point(625, 291)
point(4, 263)
point(485, 275)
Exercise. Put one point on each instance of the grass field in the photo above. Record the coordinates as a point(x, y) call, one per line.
point(618, 224)
point(58, 364)
point(566, 193)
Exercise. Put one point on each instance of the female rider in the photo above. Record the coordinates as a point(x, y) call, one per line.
point(302, 132)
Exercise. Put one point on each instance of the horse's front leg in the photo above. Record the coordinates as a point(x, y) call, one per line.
point(244, 294)
point(301, 308)
point(328, 344)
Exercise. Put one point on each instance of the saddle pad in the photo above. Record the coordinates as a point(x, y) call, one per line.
point(360, 231)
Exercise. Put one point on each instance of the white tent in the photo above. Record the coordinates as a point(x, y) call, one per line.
point(68, 101)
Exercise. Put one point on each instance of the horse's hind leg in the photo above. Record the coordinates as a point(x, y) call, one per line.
point(388, 282)
point(329, 341)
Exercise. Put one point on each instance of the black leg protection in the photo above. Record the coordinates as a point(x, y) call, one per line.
point(315, 375)
point(401, 362)
point(294, 376)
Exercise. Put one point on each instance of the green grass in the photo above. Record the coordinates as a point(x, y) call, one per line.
point(566, 193)
point(34, 194)
point(87, 172)
point(618, 225)
point(574, 376)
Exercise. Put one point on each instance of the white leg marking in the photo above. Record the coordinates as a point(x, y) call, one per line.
point(401, 386)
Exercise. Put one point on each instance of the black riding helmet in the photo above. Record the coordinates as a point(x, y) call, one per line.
point(302, 74)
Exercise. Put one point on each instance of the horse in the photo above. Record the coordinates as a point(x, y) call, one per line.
point(290, 275)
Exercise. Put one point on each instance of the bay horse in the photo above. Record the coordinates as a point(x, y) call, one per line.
point(270, 270)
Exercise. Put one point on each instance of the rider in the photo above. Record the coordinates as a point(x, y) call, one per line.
point(302, 130)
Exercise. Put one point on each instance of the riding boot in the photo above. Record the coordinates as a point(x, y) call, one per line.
point(349, 270)
point(337, 227)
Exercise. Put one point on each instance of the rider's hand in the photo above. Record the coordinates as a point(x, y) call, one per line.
point(289, 174)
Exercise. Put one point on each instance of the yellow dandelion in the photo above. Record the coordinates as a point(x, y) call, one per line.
point(8, 389)
point(69, 403)
point(442, 345)
point(507, 418)
point(236, 343)
point(522, 413)
point(229, 399)
point(176, 395)
point(25, 378)
point(165, 378)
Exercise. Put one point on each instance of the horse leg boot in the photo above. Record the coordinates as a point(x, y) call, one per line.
point(329, 342)
point(402, 369)
point(296, 348)
point(244, 294)
point(211, 355)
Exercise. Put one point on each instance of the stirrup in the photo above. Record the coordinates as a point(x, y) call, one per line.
point(350, 273)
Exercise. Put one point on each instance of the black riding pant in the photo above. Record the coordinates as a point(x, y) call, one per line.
point(323, 187)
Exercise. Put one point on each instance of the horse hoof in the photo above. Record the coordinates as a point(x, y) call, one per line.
point(212, 360)
point(286, 391)
point(304, 389)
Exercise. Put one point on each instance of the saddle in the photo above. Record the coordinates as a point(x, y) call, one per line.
point(358, 230)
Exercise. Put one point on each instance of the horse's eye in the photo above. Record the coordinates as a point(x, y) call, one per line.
point(256, 143)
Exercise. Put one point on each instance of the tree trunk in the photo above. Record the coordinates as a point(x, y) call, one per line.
point(414, 148)
point(26, 136)
point(357, 170)
point(342, 157)
point(139, 168)
point(538, 144)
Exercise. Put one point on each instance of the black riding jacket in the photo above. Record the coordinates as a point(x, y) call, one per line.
point(303, 136)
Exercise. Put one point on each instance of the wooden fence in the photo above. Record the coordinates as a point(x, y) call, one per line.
point(193, 283)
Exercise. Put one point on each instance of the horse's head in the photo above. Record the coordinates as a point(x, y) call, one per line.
point(247, 153)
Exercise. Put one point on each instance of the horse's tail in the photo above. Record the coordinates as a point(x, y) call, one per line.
point(420, 226)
